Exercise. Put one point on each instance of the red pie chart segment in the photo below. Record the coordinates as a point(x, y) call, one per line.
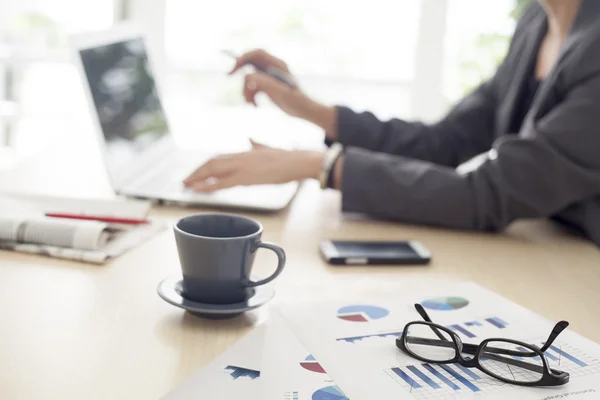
point(353, 317)
point(312, 365)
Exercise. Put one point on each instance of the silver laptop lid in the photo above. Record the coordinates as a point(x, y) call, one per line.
point(126, 100)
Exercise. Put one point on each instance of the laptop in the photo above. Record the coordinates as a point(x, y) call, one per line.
point(142, 159)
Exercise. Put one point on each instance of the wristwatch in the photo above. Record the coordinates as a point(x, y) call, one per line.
point(331, 156)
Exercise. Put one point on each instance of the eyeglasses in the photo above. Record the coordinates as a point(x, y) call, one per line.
point(507, 360)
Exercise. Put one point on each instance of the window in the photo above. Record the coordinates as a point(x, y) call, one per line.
point(475, 46)
point(395, 58)
point(342, 52)
point(39, 85)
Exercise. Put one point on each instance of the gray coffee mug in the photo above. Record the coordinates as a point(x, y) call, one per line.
point(216, 252)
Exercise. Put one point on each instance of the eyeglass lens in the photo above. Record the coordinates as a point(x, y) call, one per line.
point(518, 366)
point(422, 341)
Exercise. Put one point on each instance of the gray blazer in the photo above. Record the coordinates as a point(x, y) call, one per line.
point(406, 171)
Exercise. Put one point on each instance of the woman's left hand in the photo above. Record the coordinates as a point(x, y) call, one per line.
point(261, 165)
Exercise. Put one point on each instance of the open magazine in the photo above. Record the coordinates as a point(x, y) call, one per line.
point(26, 229)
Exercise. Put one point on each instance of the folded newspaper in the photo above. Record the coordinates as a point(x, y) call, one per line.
point(24, 228)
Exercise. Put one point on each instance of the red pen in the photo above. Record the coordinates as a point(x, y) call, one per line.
point(108, 220)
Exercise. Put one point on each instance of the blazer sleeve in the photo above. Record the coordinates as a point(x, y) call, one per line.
point(553, 163)
point(465, 132)
point(468, 130)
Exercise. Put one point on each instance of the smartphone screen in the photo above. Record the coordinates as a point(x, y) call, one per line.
point(376, 249)
point(353, 252)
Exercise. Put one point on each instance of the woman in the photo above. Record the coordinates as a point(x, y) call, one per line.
point(538, 119)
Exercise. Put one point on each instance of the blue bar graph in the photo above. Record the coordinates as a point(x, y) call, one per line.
point(441, 377)
point(468, 371)
point(354, 339)
point(460, 378)
point(406, 378)
point(458, 328)
point(550, 356)
point(422, 376)
point(568, 356)
point(465, 330)
point(497, 322)
point(239, 372)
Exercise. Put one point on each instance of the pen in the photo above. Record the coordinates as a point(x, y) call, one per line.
point(109, 220)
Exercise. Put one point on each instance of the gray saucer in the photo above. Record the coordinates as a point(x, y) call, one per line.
point(171, 288)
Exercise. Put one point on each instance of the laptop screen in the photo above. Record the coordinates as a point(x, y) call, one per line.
point(125, 97)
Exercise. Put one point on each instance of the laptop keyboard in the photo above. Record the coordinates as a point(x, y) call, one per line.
point(171, 178)
point(167, 181)
point(168, 177)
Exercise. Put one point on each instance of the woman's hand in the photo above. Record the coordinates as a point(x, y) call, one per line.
point(291, 100)
point(261, 165)
point(261, 59)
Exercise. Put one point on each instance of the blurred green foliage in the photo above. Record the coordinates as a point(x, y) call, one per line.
point(37, 29)
point(490, 49)
point(520, 7)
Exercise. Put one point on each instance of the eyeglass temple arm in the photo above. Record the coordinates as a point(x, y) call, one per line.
point(558, 328)
point(425, 316)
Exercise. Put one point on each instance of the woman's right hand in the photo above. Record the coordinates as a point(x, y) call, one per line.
point(291, 100)
point(261, 59)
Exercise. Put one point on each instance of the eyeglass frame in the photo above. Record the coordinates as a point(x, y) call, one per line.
point(550, 377)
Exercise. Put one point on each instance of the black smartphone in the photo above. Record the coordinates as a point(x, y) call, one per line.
point(375, 253)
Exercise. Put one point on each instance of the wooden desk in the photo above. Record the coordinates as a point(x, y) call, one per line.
point(76, 331)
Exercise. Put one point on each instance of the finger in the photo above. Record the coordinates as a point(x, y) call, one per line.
point(260, 82)
point(250, 89)
point(260, 58)
point(268, 84)
point(259, 146)
point(238, 64)
point(253, 56)
point(215, 168)
point(213, 185)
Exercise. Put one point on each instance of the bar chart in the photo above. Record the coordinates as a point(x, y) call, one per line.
point(240, 372)
point(469, 330)
point(447, 381)
point(356, 339)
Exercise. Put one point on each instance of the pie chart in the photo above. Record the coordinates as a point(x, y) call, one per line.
point(312, 365)
point(445, 303)
point(361, 313)
point(329, 393)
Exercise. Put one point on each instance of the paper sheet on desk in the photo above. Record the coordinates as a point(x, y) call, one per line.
point(355, 344)
point(289, 371)
point(233, 375)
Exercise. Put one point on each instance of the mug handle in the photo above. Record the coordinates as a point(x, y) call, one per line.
point(280, 255)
